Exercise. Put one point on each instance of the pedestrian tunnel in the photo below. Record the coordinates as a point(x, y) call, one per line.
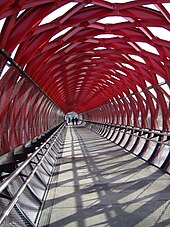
point(105, 61)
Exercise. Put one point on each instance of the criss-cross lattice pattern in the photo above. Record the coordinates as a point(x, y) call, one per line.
point(109, 60)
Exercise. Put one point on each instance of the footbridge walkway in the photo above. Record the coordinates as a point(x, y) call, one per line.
point(78, 178)
point(100, 184)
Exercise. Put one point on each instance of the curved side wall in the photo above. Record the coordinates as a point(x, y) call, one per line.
point(25, 111)
point(138, 122)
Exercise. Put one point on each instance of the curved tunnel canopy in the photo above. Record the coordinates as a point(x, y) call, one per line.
point(86, 54)
point(109, 60)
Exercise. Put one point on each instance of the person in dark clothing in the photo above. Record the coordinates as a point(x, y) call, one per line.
point(73, 120)
point(76, 120)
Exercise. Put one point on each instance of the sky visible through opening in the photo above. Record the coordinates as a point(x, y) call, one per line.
point(159, 32)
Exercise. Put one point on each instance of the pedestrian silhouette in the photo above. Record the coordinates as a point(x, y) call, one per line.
point(76, 120)
point(73, 120)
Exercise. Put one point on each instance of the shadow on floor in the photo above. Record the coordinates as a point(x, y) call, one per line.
point(100, 184)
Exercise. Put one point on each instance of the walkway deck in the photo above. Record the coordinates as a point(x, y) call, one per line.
point(100, 184)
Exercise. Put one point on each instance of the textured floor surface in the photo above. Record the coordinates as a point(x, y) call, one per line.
point(99, 184)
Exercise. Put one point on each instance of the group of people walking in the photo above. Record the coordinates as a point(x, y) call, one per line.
point(74, 120)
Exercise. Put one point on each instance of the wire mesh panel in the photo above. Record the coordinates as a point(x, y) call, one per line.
point(27, 185)
point(25, 110)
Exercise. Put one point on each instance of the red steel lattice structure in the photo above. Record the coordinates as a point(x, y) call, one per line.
point(103, 59)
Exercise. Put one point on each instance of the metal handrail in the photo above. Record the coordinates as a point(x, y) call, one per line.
point(158, 133)
point(166, 133)
point(23, 73)
point(13, 175)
